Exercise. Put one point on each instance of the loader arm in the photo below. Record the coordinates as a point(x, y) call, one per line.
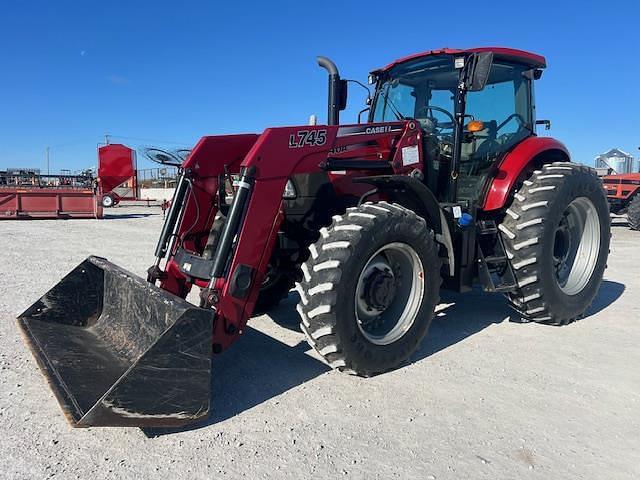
point(270, 160)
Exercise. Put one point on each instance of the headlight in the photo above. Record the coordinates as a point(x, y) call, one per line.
point(289, 190)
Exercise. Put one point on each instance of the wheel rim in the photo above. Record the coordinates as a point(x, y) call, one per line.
point(389, 293)
point(576, 246)
point(107, 201)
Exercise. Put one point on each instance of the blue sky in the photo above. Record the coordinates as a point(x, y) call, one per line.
point(161, 72)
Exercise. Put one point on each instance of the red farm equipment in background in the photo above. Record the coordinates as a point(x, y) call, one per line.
point(623, 194)
point(117, 174)
point(25, 194)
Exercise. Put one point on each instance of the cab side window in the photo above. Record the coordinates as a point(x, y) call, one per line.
point(504, 108)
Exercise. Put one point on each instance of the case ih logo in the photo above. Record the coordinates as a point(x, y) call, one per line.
point(383, 129)
point(308, 138)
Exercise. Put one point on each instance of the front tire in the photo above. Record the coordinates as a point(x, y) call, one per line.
point(556, 233)
point(370, 288)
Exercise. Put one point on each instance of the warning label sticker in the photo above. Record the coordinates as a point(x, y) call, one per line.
point(410, 155)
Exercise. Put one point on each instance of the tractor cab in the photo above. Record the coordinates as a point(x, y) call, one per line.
point(473, 107)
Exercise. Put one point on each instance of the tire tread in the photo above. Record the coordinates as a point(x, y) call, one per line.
point(335, 247)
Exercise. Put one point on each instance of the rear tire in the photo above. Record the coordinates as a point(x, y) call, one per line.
point(369, 288)
point(556, 233)
point(633, 213)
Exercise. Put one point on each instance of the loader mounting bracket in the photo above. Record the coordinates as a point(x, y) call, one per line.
point(193, 265)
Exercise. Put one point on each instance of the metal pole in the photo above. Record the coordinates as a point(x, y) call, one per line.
point(47, 160)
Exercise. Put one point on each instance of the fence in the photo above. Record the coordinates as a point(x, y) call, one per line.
point(163, 177)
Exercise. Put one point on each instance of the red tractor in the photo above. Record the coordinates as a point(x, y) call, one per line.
point(622, 193)
point(445, 186)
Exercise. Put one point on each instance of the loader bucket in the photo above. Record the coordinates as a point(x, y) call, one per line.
point(119, 351)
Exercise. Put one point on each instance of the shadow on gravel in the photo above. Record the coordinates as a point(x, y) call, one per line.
point(285, 314)
point(461, 315)
point(259, 367)
point(111, 216)
point(609, 292)
point(466, 314)
point(254, 370)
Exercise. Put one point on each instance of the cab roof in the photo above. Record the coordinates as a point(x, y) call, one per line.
point(510, 54)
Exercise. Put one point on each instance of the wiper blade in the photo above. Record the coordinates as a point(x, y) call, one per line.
point(393, 107)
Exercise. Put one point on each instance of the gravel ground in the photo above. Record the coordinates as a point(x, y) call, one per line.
point(485, 397)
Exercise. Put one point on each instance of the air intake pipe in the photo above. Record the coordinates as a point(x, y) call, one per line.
point(337, 100)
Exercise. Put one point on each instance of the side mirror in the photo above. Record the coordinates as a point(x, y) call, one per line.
point(533, 74)
point(342, 97)
point(361, 112)
point(478, 70)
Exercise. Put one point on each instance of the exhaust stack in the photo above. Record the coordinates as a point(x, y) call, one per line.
point(337, 100)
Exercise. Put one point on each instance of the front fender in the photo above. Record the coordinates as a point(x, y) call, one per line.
point(530, 151)
point(413, 194)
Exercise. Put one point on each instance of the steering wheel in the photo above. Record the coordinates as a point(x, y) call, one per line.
point(441, 125)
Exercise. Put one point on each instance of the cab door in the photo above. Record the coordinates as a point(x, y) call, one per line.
point(504, 108)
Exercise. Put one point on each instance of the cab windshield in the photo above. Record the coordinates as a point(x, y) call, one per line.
point(424, 89)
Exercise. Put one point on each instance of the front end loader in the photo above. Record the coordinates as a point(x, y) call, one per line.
point(445, 186)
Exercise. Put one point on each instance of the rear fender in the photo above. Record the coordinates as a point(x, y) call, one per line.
point(531, 152)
